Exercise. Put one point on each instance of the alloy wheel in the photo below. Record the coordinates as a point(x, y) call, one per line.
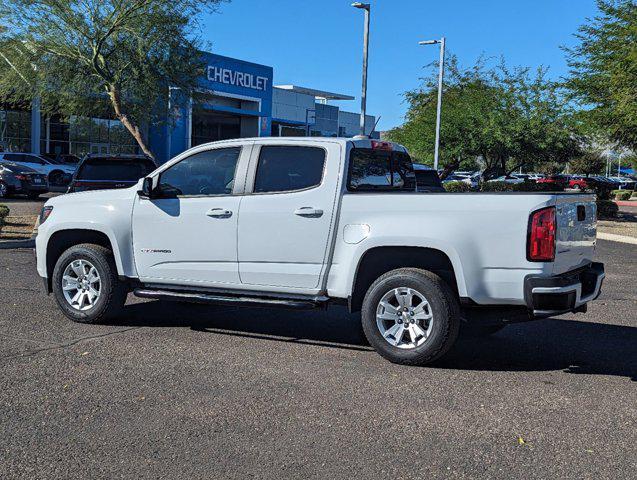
point(81, 284)
point(404, 318)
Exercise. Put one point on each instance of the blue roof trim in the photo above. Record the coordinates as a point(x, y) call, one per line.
point(289, 122)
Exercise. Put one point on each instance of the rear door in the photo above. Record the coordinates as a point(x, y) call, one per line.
point(576, 231)
point(286, 221)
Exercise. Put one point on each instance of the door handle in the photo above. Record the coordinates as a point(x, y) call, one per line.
point(308, 212)
point(219, 213)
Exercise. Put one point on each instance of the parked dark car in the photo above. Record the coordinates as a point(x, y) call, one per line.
point(103, 172)
point(17, 179)
point(427, 179)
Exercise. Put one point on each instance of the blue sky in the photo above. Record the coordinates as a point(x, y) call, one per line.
point(318, 44)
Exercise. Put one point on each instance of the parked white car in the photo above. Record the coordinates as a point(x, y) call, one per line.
point(55, 172)
point(310, 222)
point(508, 179)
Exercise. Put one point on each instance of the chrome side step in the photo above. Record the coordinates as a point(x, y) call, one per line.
point(237, 300)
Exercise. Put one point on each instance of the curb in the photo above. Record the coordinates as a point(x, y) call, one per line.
point(11, 244)
point(616, 238)
point(626, 203)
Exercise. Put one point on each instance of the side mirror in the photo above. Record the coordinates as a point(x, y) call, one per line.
point(147, 188)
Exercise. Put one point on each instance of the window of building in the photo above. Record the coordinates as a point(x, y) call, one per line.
point(380, 170)
point(205, 173)
point(15, 130)
point(283, 168)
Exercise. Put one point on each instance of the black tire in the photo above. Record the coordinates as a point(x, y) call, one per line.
point(112, 292)
point(56, 177)
point(479, 331)
point(444, 307)
point(4, 190)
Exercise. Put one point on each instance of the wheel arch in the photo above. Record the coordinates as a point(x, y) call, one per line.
point(379, 260)
point(62, 240)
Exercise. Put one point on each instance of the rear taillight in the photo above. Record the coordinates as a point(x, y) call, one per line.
point(542, 229)
point(22, 177)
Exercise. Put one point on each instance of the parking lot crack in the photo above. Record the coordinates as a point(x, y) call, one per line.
point(59, 346)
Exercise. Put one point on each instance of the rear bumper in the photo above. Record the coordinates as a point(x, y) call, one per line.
point(568, 292)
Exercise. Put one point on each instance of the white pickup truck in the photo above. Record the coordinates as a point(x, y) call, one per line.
point(308, 222)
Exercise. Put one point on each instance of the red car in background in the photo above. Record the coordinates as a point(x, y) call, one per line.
point(580, 183)
point(560, 180)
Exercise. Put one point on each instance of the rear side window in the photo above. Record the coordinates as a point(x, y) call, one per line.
point(380, 170)
point(115, 170)
point(284, 169)
point(14, 157)
point(428, 178)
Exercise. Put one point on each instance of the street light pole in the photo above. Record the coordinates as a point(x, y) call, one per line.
point(366, 8)
point(441, 74)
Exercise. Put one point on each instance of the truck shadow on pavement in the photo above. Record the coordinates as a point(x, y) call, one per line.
point(544, 345)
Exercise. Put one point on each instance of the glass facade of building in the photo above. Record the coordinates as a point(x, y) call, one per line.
point(15, 129)
point(81, 135)
point(59, 135)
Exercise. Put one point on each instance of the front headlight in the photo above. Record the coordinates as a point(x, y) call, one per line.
point(44, 214)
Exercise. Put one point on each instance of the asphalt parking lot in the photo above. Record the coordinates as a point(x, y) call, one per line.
point(178, 391)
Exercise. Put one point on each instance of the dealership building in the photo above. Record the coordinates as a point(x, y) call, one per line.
point(235, 99)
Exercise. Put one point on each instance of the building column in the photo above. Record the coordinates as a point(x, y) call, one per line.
point(35, 126)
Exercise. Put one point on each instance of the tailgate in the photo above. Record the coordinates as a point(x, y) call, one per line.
point(576, 231)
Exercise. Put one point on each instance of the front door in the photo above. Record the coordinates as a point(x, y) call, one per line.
point(285, 224)
point(188, 234)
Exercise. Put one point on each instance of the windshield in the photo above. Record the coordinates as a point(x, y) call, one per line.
point(115, 169)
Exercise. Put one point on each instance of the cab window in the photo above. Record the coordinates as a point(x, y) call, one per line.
point(285, 169)
point(205, 173)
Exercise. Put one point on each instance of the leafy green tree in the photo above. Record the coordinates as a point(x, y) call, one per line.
point(589, 163)
point(83, 56)
point(506, 118)
point(604, 70)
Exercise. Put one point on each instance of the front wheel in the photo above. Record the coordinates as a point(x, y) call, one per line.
point(410, 316)
point(4, 190)
point(85, 284)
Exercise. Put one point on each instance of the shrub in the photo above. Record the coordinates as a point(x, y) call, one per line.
point(457, 187)
point(602, 192)
point(622, 194)
point(519, 187)
point(606, 209)
point(495, 187)
point(537, 187)
point(634, 194)
point(4, 211)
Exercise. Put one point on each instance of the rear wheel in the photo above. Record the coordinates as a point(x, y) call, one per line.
point(410, 316)
point(85, 284)
point(56, 178)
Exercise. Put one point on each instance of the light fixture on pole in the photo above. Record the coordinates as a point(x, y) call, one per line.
point(366, 7)
point(441, 73)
